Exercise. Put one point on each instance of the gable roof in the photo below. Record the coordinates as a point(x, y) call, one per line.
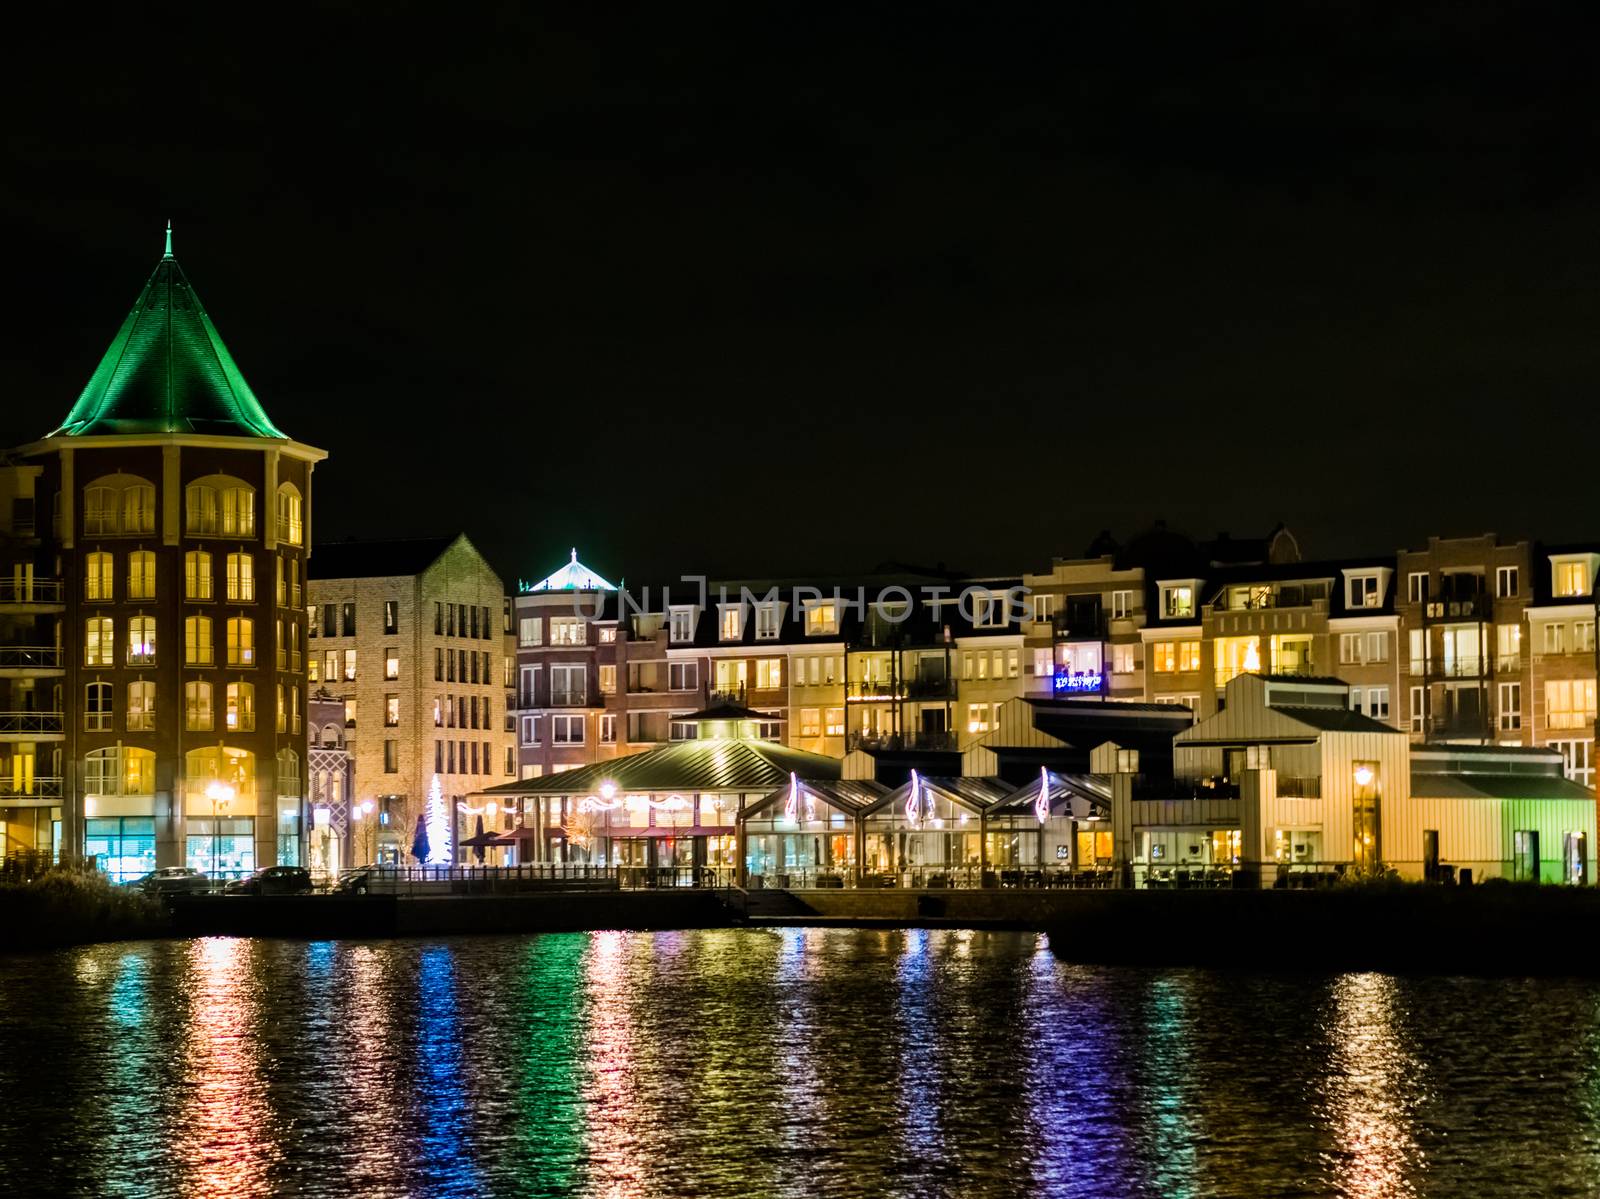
point(689, 766)
point(376, 559)
point(167, 371)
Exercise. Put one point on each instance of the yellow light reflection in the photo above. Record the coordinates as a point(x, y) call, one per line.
point(222, 1130)
point(1370, 1090)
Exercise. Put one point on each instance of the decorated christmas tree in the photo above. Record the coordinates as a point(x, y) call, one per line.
point(438, 826)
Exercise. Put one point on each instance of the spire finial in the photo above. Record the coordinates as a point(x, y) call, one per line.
point(574, 554)
point(168, 253)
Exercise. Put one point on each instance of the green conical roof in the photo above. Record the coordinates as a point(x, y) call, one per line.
point(167, 371)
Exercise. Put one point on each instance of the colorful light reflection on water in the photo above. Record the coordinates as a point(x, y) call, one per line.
point(784, 1062)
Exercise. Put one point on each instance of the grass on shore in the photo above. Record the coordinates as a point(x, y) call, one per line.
point(72, 908)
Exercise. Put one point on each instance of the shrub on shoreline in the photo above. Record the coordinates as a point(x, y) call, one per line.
point(71, 908)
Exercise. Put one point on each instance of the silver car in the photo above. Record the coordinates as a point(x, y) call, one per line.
point(173, 880)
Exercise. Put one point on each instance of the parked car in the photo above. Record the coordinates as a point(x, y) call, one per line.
point(173, 880)
point(274, 880)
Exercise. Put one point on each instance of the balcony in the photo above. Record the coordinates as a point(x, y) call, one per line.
point(726, 695)
point(23, 660)
point(38, 788)
point(870, 690)
point(564, 697)
point(1460, 725)
point(1458, 668)
point(25, 726)
point(1474, 606)
point(931, 688)
point(37, 595)
point(924, 741)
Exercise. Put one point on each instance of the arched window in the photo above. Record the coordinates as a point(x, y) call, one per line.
point(291, 527)
point(99, 641)
point(241, 641)
point(241, 578)
point(97, 708)
point(197, 575)
point(234, 772)
point(141, 641)
point(197, 641)
point(120, 770)
point(219, 506)
point(241, 712)
point(119, 504)
point(330, 735)
point(289, 783)
point(197, 716)
point(99, 577)
point(141, 575)
point(141, 715)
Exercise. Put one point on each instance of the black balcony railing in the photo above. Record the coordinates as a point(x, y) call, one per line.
point(874, 689)
point(31, 591)
point(30, 657)
point(38, 787)
point(47, 723)
point(929, 741)
point(943, 687)
point(726, 695)
point(1474, 606)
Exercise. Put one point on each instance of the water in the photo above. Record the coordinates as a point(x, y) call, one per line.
point(784, 1062)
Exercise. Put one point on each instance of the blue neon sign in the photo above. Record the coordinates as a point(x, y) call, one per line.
point(1078, 683)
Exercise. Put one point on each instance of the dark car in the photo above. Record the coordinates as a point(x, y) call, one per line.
point(173, 880)
point(274, 880)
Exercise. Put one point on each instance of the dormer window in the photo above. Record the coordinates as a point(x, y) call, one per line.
point(1363, 591)
point(988, 611)
point(1177, 600)
point(730, 622)
point(768, 622)
point(1572, 577)
point(681, 624)
point(822, 618)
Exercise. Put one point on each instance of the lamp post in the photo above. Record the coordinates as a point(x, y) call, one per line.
point(220, 795)
point(361, 813)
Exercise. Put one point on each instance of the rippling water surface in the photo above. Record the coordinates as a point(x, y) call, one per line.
point(792, 1062)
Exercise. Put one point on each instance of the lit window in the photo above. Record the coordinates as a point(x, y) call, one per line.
point(732, 622)
point(349, 665)
point(98, 577)
point(822, 618)
point(1177, 600)
point(1364, 591)
point(197, 575)
point(1164, 657)
point(833, 723)
point(810, 722)
point(530, 631)
point(567, 630)
point(141, 575)
point(197, 641)
point(197, 707)
point(241, 633)
point(240, 713)
point(241, 578)
point(99, 641)
point(391, 663)
point(608, 679)
point(391, 711)
point(290, 527)
point(1572, 578)
point(141, 641)
point(1569, 703)
point(769, 674)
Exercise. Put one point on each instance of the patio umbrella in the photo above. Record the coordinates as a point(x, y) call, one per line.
point(477, 838)
point(419, 843)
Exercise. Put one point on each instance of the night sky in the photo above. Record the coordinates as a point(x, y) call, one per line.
point(778, 293)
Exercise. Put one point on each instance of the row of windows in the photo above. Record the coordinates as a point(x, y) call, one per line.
point(216, 506)
point(462, 666)
point(463, 757)
point(199, 579)
point(129, 770)
point(199, 715)
point(239, 641)
point(455, 711)
point(462, 620)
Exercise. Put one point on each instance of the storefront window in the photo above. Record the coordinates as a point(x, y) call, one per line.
point(222, 848)
point(125, 847)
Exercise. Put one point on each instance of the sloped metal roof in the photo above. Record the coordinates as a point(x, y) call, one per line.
point(974, 794)
point(1084, 794)
point(688, 766)
point(167, 371)
point(1496, 786)
point(573, 576)
point(850, 796)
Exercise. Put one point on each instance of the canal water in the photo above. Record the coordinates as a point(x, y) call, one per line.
point(782, 1062)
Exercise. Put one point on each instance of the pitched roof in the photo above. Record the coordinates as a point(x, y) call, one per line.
point(375, 559)
point(700, 765)
point(573, 576)
point(167, 371)
point(1427, 785)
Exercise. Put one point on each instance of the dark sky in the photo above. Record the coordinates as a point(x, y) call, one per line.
point(778, 293)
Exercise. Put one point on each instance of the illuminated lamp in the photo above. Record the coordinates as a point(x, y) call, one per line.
point(1364, 776)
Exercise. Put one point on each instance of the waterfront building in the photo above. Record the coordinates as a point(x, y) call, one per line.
point(1556, 707)
point(163, 531)
point(411, 637)
point(339, 832)
point(1082, 637)
point(668, 813)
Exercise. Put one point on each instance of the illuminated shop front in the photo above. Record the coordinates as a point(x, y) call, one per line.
point(804, 835)
point(1059, 823)
point(220, 809)
point(666, 816)
point(928, 832)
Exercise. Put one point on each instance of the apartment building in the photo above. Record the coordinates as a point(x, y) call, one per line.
point(1082, 637)
point(411, 636)
point(894, 663)
point(32, 734)
point(1556, 709)
point(154, 660)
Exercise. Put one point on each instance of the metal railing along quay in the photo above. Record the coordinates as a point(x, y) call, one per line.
point(529, 876)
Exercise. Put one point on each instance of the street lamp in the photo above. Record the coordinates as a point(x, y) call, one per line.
point(359, 812)
point(220, 795)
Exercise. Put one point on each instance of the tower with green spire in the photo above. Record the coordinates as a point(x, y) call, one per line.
point(173, 521)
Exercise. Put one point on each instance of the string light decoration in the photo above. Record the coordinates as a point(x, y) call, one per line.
point(438, 823)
